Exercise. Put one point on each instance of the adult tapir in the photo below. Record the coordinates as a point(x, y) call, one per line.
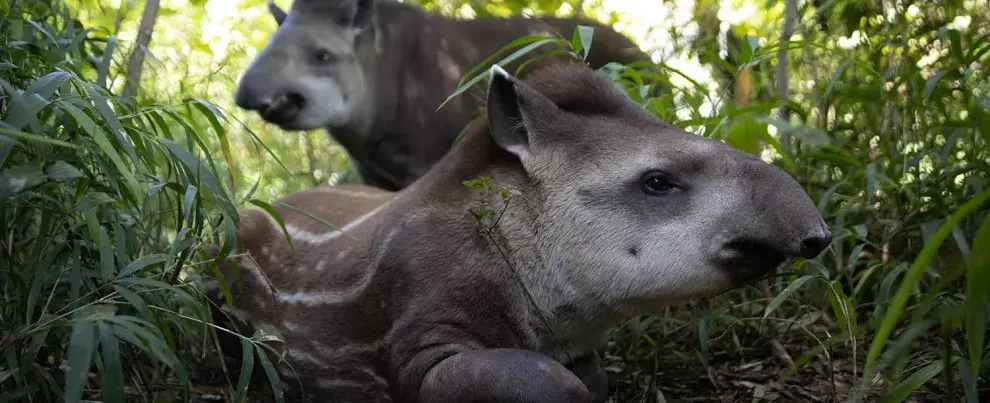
point(610, 213)
point(374, 72)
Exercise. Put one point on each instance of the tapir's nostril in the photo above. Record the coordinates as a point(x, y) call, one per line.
point(294, 99)
point(811, 247)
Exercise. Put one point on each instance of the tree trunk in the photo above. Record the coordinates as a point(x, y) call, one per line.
point(136, 60)
point(782, 76)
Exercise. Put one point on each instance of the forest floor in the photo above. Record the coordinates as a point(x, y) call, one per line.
point(756, 373)
point(670, 371)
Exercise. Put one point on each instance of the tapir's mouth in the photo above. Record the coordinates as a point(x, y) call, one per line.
point(283, 110)
point(745, 260)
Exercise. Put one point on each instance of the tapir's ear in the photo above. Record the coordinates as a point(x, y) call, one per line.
point(277, 12)
point(513, 109)
point(354, 14)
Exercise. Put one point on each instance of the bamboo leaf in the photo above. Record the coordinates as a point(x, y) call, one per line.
point(273, 379)
point(20, 178)
point(508, 59)
point(100, 138)
point(247, 368)
point(81, 345)
point(278, 218)
point(61, 171)
point(112, 388)
point(106, 254)
point(24, 136)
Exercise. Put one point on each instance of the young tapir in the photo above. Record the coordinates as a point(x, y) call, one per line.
point(612, 213)
point(374, 72)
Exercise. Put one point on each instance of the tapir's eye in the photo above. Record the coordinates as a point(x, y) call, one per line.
point(657, 183)
point(322, 56)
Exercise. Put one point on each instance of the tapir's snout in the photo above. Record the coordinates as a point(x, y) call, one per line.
point(248, 97)
point(815, 244)
point(774, 220)
point(278, 107)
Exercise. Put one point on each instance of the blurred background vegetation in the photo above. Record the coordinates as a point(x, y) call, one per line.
point(122, 156)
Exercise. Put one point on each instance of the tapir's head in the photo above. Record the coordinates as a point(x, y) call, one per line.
point(635, 210)
point(309, 74)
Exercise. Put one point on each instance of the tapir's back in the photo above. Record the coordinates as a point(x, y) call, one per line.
point(327, 300)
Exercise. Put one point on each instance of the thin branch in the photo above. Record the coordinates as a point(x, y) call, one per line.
point(136, 62)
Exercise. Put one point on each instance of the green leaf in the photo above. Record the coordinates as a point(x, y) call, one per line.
point(189, 200)
point(956, 46)
point(214, 115)
point(745, 135)
point(23, 136)
point(845, 313)
point(791, 288)
point(977, 295)
point(871, 180)
point(581, 41)
point(931, 83)
point(278, 218)
point(135, 300)
point(318, 219)
point(247, 368)
point(508, 59)
point(112, 388)
point(110, 119)
point(103, 69)
point(913, 382)
point(20, 178)
point(81, 345)
point(98, 136)
point(139, 334)
point(211, 181)
point(748, 50)
point(106, 254)
point(484, 64)
point(272, 374)
point(141, 263)
point(61, 171)
point(896, 307)
point(92, 200)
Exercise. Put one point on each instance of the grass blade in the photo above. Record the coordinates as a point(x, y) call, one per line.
point(913, 382)
point(914, 273)
point(977, 294)
point(791, 288)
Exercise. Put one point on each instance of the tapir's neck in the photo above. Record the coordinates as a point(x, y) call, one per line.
point(569, 320)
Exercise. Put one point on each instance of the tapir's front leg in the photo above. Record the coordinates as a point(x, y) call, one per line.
point(589, 369)
point(502, 375)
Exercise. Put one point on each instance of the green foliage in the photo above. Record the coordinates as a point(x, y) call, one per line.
point(106, 204)
point(486, 216)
